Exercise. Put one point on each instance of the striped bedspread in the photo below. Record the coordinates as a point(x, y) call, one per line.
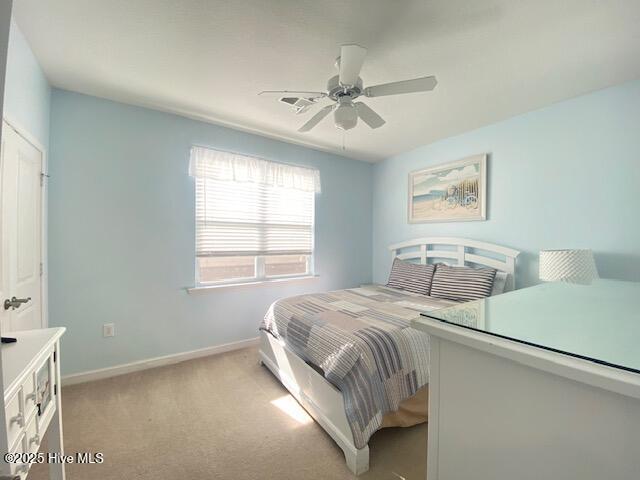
point(362, 340)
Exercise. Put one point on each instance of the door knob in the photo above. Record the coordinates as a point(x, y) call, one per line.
point(15, 302)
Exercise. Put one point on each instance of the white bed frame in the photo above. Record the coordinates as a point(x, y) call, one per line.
point(321, 399)
point(461, 252)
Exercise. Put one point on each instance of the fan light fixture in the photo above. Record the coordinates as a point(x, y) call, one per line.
point(345, 116)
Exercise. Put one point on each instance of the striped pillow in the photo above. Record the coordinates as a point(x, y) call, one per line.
point(462, 283)
point(412, 277)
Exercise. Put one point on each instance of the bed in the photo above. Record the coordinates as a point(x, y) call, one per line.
point(350, 357)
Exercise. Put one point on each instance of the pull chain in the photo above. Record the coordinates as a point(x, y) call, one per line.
point(344, 134)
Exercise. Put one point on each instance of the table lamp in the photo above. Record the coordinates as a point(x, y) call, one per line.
point(571, 266)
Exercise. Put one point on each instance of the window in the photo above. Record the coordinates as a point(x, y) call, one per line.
point(254, 218)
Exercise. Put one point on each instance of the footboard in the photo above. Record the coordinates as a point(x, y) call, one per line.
point(318, 397)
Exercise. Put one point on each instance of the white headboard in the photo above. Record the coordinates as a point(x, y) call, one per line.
point(462, 251)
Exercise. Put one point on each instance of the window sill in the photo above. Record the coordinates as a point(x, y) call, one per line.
point(258, 283)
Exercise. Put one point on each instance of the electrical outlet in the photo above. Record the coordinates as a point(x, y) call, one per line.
point(108, 330)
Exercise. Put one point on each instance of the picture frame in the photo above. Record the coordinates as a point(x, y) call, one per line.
point(449, 192)
point(471, 314)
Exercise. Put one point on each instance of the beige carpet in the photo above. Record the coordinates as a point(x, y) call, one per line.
point(223, 416)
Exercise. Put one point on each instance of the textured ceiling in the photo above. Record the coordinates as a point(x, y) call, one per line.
point(208, 59)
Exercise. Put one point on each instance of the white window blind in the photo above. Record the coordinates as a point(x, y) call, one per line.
point(248, 207)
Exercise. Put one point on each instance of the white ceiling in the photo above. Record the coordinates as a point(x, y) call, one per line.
point(208, 59)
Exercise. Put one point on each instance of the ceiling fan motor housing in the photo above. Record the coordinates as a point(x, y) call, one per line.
point(335, 90)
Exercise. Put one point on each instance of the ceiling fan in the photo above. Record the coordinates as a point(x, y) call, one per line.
point(344, 88)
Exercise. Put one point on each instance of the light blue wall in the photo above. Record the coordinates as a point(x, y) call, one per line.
point(561, 177)
point(121, 232)
point(27, 94)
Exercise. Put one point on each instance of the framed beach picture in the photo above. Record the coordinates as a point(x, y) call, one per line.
point(471, 315)
point(451, 192)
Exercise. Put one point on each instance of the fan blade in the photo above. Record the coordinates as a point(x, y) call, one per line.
point(292, 92)
point(368, 116)
point(423, 84)
point(351, 60)
point(313, 121)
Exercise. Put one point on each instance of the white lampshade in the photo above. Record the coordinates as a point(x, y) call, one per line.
point(573, 266)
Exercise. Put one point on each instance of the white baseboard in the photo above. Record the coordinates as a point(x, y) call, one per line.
point(101, 373)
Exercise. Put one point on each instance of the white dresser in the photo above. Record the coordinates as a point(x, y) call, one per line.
point(540, 383)
point(31, 381)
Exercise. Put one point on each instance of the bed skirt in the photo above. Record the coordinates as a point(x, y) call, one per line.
point(412, 411)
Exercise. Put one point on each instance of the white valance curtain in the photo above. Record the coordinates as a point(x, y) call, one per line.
point(227, 166)
point(247, 206)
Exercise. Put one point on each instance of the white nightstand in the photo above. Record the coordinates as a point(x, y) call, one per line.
point(31, 382)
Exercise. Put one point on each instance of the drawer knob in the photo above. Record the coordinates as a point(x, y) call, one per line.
point(35, 439)
point(19, 419)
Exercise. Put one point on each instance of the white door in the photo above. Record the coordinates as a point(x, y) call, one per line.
point(21, 256)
